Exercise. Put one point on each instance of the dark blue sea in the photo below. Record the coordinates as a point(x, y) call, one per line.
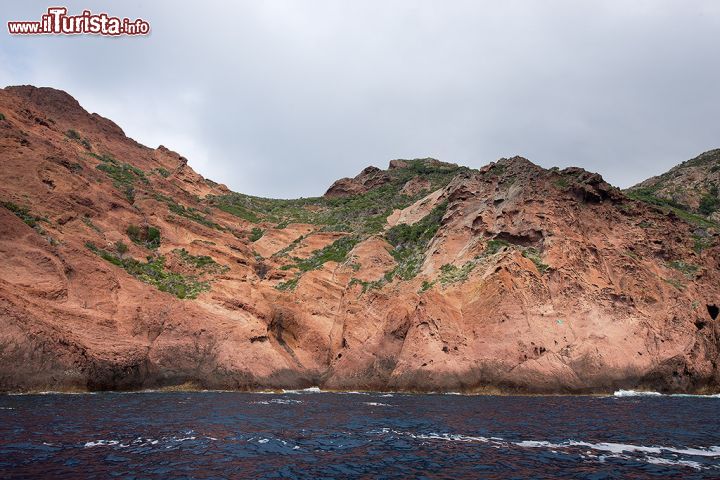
point(327, 435)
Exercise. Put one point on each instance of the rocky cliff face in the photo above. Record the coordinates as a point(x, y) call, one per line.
point(122, 268)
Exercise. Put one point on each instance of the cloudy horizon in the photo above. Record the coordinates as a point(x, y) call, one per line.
point(281, 98)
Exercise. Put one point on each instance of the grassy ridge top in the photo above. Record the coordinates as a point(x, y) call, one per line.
point(362, 213)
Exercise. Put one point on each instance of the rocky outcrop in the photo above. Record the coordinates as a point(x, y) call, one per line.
point(369, 178)
point(122, 268)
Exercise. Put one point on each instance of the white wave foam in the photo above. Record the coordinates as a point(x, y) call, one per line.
point(537, 444)
point(609, 449)
point(377, 404)
point(143, 442)
point(713, 451)
point(454, 438)
point(48, 392)
point(101, 443)
point(666, 461)
point(451, 437)
point(636, 393)
point(279, 401)
point(642, 393)
point(304, 390)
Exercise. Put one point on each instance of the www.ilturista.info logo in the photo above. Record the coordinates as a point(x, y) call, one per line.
point(57, 22)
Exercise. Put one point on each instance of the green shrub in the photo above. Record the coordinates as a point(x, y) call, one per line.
point(534, 255)
point(701, 243)
point(23, 213)
point(124, 174)
point(146, 236)
point(288, 285)
point(710, 202)
point(335, 252)
point(106, 157)
point(2, 117)
point(72, 135)
point(133, 231)
point(256, 234)
point(493, 246)
point(203, 262)
point(239, 212)
point(562, 183)
point(121, 248)
point(452, 274)
point(163, 172)
point(89, 223)
point(192, 214)
point(688, 269)
point(375, 285)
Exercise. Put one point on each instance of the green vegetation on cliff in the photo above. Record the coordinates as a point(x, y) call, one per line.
point(648, 195)
point(24, 214)
point(411, 241)
point(153, 272)
point(335, 252)
point(123, 175)
point(362, 213)
point(202, 262)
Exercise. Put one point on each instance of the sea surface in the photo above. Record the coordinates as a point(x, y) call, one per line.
point(314, 435)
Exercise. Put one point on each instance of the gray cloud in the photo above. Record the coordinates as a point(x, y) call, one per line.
point(280, 98)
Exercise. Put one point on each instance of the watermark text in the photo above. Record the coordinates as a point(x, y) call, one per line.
point(56, 21)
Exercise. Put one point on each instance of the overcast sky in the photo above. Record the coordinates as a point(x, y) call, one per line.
point(280, 98)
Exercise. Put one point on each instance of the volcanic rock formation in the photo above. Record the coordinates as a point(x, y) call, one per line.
point(122, 268)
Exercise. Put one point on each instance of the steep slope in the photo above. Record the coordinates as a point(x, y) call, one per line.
point(690, 188)
point(122, 268)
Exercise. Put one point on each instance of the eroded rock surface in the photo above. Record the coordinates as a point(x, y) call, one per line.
point(425, 276)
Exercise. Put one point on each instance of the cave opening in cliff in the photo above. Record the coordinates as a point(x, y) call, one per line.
point(713, 310)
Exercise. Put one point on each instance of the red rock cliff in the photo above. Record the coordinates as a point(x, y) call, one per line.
point(122, 268)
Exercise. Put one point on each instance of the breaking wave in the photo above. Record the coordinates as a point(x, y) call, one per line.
point(643, 393)
point(304, 390)
point(279, 401)
point(599, 451)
